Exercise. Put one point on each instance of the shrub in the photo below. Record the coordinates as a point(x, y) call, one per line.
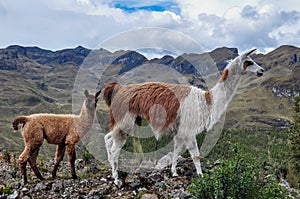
point(87, 156)
point(293, 175)
point(237, 177)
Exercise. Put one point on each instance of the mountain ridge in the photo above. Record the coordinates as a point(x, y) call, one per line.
point(37, 80)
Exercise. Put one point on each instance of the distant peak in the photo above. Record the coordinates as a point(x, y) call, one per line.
point(234, 50)
point(78, 47)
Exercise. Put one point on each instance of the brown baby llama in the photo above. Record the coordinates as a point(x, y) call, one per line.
point(63, 130)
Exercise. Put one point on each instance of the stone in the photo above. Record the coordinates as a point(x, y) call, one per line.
point(164, 161)
point(94, 168)
point(24, 189)
point(79, 163)
point(133, 181)
point(57, 186)
point(149, 196)
point(16, 185)
point(39, 186)
point(13, 195)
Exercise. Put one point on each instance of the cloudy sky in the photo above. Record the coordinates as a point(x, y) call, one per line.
point(58, 24)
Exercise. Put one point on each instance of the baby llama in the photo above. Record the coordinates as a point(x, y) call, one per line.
point(59, 129)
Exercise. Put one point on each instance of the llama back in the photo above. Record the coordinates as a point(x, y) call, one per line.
point(157, 102)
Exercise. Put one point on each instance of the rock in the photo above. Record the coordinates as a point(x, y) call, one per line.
point(57, 186)
point(67, 182)
point(24, 190)
point(14, 195)
point(185, 194)
point(51, 162)
point(103, 180)
point(164, 161)
point(94, 168)
point(65, 194)
point(133, 181)
point(149, 196)
point(147, 164)
point(39, 186)
point(16, 185)
point(217, 162)
point(84, 182)
point(142, 189)
point(79, 163)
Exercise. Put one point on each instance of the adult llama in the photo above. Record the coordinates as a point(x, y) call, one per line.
point(182, 111)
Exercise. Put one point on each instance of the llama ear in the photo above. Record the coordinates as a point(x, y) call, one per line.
point(86, 93)
point(244, 55)
point(97, 94)
point(250, 52)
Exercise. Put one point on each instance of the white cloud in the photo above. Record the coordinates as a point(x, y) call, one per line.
point(56, 24)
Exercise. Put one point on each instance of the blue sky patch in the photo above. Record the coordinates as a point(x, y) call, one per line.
point(148, 5)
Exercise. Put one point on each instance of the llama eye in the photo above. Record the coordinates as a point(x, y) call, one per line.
point(247, 63)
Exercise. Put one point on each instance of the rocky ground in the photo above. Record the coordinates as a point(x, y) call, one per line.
point(94, 181)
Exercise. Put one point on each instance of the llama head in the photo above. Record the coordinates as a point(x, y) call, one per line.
point(91, 100)
point(247, 64)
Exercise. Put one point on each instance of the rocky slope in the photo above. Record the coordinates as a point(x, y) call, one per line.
point(94, 181)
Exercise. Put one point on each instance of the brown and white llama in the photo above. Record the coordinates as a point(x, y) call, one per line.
point(60, 129)
point(179, 110)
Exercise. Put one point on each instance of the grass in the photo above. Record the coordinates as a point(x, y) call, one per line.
point(269, 146)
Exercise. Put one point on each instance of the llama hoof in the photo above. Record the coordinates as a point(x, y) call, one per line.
point(53, 175)
point(175, 175)
point(118, 183)
point(74, 177)
point(41, 178)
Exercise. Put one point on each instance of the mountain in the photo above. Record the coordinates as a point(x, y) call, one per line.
point(36, 80)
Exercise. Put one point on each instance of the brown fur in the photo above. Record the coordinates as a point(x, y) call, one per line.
point(158, 103)
point(224, 76)
point(63, 130)
point(208, 97)
point(109, 92)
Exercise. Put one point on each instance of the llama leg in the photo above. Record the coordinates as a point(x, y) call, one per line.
point(23, 162)
point(108, 144)
point(178, 145)
point(60, 152)
point(32, 162)
point(194, 151)
point(72, 157)
point(119, 139)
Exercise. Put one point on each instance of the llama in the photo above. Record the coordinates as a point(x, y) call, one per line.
point(181, 111)
point(63, 130)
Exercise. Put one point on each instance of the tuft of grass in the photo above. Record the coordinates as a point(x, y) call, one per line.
point(6, 190)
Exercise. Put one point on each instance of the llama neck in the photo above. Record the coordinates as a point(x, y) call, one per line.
point(224, 90)
point(86, 120)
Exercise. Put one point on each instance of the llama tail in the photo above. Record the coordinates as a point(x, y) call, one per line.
point(109, 91)
point(19, 120)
